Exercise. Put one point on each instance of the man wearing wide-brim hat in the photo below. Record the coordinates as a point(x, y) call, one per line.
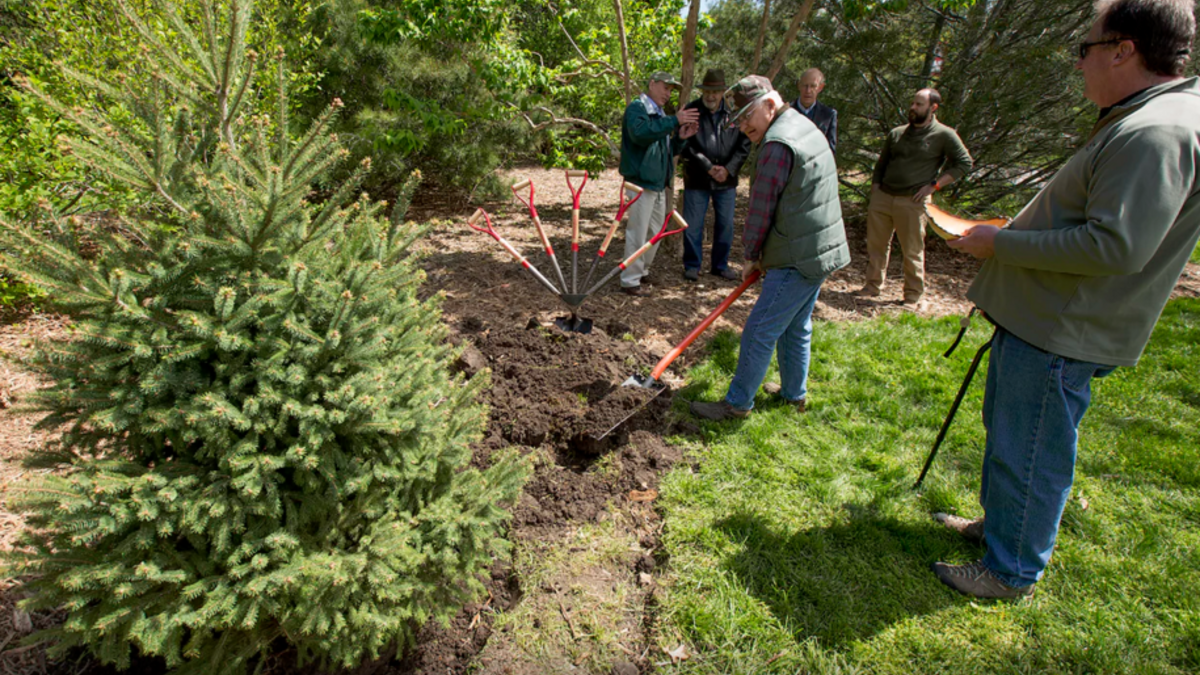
point(650, 139)
point(711, 160)
point(794, 234)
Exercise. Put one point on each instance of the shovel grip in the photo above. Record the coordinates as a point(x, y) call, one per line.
point(691, 337)
point(575, 194)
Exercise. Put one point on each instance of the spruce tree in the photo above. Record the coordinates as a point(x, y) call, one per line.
point(262, 438)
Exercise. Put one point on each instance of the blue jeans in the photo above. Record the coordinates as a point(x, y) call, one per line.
point(780, 321)
point(695, 206)
point(1032, 407)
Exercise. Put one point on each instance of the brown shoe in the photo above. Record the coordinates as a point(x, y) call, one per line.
point(971, 530)
point(775, 390)
point(727, 273)
point(867, 292)
point(635, 291)
point(978, 581)
point(716, 411)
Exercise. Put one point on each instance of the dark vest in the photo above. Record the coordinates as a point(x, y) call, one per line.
point(808, 233)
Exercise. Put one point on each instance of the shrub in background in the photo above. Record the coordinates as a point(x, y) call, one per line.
point(263, 438)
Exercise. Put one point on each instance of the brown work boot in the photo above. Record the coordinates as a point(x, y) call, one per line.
point(971, 530)
point(978, 581)
point(716, 411)
point(635, 291)
point(867, 292)
point(776, 390)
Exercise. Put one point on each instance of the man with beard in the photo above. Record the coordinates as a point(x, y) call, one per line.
point(794, 234)
point(812, 83)
point(712, 159)
point(648, 145)
point(1077, 282)
point(918, 159)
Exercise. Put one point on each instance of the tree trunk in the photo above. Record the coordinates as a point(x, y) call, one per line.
point(762, 36)
point(687, 79)
point(624, 50)
point(781, 56)
point(931, 50)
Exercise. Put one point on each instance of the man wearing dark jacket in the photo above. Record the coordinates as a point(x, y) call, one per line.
point(712, 159)
point(812, 83)
point(649, 141)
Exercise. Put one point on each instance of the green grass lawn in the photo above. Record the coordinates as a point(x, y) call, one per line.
point(797, 544)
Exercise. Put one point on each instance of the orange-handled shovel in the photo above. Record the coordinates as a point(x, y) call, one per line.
point(533, 214)
point(662, 233)
point(489, 230)
point(575, 194)
point(622, 207)
point(652, 381)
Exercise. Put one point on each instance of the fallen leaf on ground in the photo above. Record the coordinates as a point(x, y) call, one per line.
point(643, 495)
point(678, 654)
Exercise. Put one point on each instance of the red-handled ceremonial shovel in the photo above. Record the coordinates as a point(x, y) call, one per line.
point(622, 207)
point(575, 194)
point(662, 233)
point(537, 222)
point(652, 381)
point(480, 213)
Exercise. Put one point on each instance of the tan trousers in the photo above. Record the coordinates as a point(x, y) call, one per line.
point(645, 219)
point(887, 214)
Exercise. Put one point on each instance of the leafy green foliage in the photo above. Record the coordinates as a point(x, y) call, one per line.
point(263, 438)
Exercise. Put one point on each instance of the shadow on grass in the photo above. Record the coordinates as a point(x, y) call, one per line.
point(840, 583)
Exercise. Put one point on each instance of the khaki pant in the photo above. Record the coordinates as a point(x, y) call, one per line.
point(645, 219)
point(887, 214)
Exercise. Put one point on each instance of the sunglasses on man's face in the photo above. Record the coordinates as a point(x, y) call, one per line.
point(1085, 46)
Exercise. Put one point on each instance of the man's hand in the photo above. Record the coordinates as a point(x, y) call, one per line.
point(979, 241)
point(719, 174)
point(749, 268)
point(687, 116)
point(924, 192)
point(688, 130)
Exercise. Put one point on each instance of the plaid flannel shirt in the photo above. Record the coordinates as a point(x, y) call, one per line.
point(774, 169)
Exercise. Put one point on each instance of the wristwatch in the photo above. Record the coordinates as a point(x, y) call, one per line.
point(935, 185)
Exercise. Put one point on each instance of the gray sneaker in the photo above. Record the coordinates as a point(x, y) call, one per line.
point(716, 411)
point(971, 530)
point(978, 581)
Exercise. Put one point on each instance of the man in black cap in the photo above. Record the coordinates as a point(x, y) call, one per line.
point(712, 159)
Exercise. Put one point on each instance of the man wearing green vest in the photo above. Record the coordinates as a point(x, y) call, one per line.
point(1077, 282)
point(793, 233)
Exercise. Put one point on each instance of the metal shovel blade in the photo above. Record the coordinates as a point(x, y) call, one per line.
point(645, 382)
point(573, 300)
point(573, 324)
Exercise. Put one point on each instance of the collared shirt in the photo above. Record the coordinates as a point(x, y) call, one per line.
point(807, 112)
point(775, 162)
point(652, 107)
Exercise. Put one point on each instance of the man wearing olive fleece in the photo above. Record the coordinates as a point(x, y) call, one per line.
point(918, 159)
point(1077, 282)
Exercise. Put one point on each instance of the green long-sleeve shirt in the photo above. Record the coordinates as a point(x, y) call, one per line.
point(913, 157)
point(1085, 269)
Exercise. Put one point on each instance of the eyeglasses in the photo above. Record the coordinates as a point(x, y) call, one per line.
point(1085, 46)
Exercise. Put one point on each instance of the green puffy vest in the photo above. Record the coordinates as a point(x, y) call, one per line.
point(808, 233)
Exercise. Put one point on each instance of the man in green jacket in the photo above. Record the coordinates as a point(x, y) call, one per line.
point(649, 143)
point(1078, 280)
point(794, 233)
point(918, 159)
